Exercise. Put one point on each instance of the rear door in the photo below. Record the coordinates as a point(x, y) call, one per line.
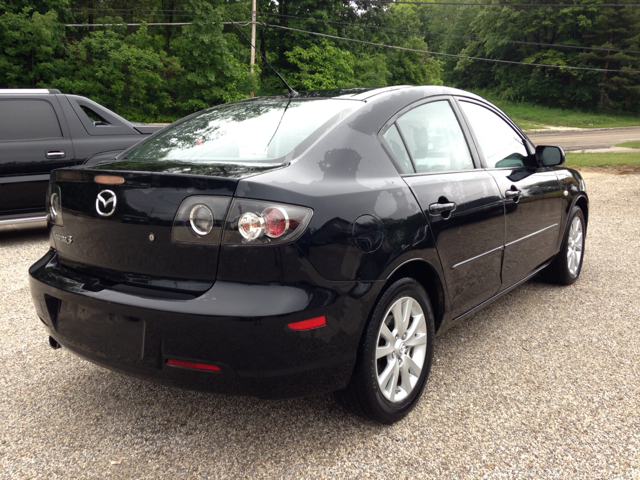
point(533, 198)
point(461, 202)
point(34, 139)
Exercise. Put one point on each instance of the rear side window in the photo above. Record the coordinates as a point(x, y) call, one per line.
point(393, 139)
point(434, 138)
point(28, 120)
point(259, 131)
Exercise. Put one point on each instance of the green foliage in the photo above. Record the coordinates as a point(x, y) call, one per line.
point(528, 115)
point(370, 70)
point(117, 70)
point(212, 74)
point(30, 42)
point(579, 25)
point(347, 63)
point(321, 67)
point(635, 144)
point(408, 68)
point(602, 159)
point(168, 71)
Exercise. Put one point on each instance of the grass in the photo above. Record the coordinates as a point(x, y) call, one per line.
point(529, 116)
point(635, 144)
point(602, 159)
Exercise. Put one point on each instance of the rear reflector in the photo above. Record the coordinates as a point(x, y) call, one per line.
point(108, 179)
point(308, 324)
point(194, 365)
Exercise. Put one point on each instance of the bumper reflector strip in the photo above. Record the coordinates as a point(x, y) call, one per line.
point(308, 324)
point(194, 365)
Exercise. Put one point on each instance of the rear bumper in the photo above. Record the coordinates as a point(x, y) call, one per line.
point(240, 328)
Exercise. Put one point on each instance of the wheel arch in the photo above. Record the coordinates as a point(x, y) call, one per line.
point(583, 203)
point(428, 277)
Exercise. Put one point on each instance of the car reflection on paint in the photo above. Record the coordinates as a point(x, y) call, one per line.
point(283, 247)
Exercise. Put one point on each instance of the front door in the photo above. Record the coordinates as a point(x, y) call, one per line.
point(533, 198)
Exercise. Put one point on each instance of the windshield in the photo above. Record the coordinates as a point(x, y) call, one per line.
point(243, 132)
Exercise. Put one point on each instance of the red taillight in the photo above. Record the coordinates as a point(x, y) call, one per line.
point(194, 365)
point(276, 221)
point(308, 324)
point(258, 222)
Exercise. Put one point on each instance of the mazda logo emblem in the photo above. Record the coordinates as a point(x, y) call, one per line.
point(106, 203)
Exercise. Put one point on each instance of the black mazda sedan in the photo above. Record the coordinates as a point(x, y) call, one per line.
point(283, 247)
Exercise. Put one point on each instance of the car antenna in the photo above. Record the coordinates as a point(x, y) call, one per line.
point(292, 92)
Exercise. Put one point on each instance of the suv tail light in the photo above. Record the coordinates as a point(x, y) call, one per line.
point(258, 222)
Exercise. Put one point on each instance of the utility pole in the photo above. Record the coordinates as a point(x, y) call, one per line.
point(253, 35)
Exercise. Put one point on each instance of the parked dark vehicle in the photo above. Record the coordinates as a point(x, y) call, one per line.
point(42, 129)
point(284, 247)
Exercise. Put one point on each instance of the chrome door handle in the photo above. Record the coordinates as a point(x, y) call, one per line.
point(440, 208)
point(512, 194)
point(55, 154)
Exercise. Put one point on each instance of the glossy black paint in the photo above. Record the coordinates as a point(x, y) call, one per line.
point(230, 304)
point(25, 164)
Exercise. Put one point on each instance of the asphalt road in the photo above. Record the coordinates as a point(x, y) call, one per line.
point(542, 384)
point(586, 139)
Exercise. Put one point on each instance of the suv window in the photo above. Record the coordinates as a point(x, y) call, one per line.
point(28, 120)
point(434, 138)
point(499, 142)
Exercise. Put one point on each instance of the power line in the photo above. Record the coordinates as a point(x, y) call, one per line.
point(153, 24)
point(466, 37)
point(246, 23)
point(350, 25)
point(128, 10)
point(555, 5)
point(335, 37)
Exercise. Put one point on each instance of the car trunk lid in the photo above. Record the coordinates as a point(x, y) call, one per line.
point(126, 235)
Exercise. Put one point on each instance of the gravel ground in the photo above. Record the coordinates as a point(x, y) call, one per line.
point(544, 383)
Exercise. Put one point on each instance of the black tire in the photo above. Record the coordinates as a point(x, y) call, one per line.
point(565, 267)
point(364, 395)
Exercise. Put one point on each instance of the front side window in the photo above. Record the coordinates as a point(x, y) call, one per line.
point(499, 143)
point(243, 132)
point(434, 138)
point(28, 120)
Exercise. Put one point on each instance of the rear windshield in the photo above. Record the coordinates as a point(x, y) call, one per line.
point(260, 131)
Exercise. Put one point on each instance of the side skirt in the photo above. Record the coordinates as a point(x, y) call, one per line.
point(446, 326)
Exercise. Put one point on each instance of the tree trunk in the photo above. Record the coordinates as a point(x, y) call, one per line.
point(604, 76)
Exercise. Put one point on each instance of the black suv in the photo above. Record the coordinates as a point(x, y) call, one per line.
point(43, 129)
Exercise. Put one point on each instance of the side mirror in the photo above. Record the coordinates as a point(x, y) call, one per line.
point(549, 156)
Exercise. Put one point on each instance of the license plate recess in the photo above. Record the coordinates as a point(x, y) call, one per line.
point(116, 337)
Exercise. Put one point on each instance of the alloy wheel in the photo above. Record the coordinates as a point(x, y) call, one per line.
point(401, 349)
point(574, 246)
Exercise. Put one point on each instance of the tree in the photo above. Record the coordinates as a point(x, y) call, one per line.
point(321, 67)
point(122, 72)
point(526, 35)
point(212, 74)
point(30, 42)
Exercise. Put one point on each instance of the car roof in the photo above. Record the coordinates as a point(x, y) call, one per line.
point(366, 93)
